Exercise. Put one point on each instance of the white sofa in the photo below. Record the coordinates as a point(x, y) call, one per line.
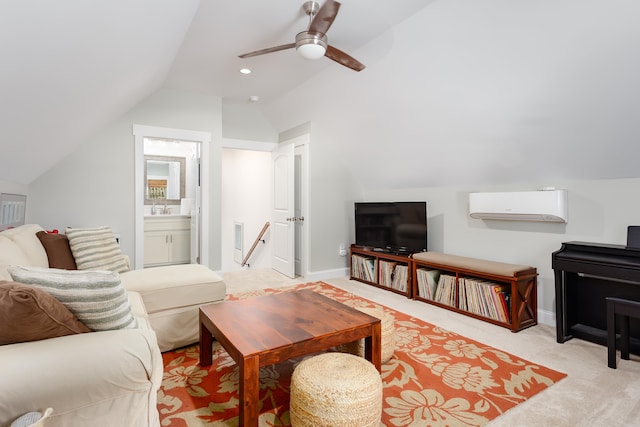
point(107, 378)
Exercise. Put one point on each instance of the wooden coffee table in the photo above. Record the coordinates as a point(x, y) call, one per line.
point(268, 329)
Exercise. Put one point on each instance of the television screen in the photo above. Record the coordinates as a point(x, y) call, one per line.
point(399, 227)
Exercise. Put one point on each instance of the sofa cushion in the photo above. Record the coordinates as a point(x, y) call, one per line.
point(11, 255)
point(473, 264)
point(96, 249)
point(30, 314)
point(20, 246)
point(58, 250)
point(97, 298)
point(25, 237)
point(174, 286)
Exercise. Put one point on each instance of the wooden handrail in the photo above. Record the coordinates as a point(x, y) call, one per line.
point(255, 243)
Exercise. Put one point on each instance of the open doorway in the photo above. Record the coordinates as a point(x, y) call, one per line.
point(184, 156)
point(247, 199)
point(171, 202)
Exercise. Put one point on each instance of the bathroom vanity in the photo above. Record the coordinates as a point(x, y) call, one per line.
point(167, 240)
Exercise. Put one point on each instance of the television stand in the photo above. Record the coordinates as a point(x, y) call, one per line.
point(382, 268)
point(495, 292)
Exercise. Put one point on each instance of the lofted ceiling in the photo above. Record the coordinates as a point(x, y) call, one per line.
point(222, 30)
point(71, 66)
point(537, 89)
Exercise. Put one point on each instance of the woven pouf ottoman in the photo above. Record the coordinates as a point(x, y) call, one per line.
point(336, 390)
point(387, 329)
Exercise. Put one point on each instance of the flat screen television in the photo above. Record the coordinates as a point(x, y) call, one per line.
point(397, 227)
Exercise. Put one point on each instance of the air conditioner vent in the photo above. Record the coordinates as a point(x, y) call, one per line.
point(543, 205)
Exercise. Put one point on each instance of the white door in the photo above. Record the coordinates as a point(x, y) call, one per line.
point(282, 216)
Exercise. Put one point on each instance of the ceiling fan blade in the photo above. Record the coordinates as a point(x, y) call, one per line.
point(268, 50)
point(324, 18)
point(342, 58)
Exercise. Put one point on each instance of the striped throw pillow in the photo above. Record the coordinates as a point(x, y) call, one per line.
point(97, 298)
point(96, 249)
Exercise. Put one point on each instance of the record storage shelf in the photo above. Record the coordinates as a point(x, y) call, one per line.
point(521, 285)
point(381, 269)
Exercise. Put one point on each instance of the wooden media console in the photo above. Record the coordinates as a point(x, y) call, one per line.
point(496, 292)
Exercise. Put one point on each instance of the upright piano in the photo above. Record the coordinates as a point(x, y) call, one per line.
point(586, 273)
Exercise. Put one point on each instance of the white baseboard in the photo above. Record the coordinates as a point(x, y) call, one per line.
point(326, 274)
point(546, 317)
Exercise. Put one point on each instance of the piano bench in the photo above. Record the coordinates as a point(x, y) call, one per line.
point(625, 308)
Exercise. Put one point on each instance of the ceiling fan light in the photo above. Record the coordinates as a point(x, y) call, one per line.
point(311, 51)
point(311, 46)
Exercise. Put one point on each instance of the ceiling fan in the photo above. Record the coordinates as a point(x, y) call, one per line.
point(312, 43)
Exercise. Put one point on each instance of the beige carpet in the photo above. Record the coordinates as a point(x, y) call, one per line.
point(591, 395)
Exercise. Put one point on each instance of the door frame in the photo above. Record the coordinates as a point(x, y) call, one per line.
point(302, 150)
point(301, 147)
point(204, 138)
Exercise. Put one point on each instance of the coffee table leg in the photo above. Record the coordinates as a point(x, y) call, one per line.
point(249, 384)
point(373, 347)
point(206, 341)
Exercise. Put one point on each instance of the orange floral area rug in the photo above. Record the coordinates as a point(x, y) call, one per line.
point(435, 378)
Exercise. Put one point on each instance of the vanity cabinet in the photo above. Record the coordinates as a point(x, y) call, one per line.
point(167, 240)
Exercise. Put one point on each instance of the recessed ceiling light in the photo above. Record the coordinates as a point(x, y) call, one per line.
point(254, 98)
point(245, 71)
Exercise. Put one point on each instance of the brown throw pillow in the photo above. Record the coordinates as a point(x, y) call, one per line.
point(58, 250)
point(30, 314)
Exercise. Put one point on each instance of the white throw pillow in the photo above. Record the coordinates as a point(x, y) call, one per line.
point(96, 249)
point(97, 298)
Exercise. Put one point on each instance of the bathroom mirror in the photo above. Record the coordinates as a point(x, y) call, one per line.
point(164, 180)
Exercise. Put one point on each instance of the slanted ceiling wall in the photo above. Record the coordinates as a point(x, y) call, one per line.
point(95, 184)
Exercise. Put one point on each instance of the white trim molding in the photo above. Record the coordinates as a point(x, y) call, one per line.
point(204, 138)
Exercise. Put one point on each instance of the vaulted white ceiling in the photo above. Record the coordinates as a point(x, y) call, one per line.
point(70, 66)
point(534, 88)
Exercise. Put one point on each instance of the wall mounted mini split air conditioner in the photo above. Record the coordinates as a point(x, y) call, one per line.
point(542, 205)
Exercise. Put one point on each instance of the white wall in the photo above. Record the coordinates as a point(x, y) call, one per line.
point(95, 184)
point(246, 198)
point(10, 187)
point(598, 211)
point(245, 120)
point(531, 94)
